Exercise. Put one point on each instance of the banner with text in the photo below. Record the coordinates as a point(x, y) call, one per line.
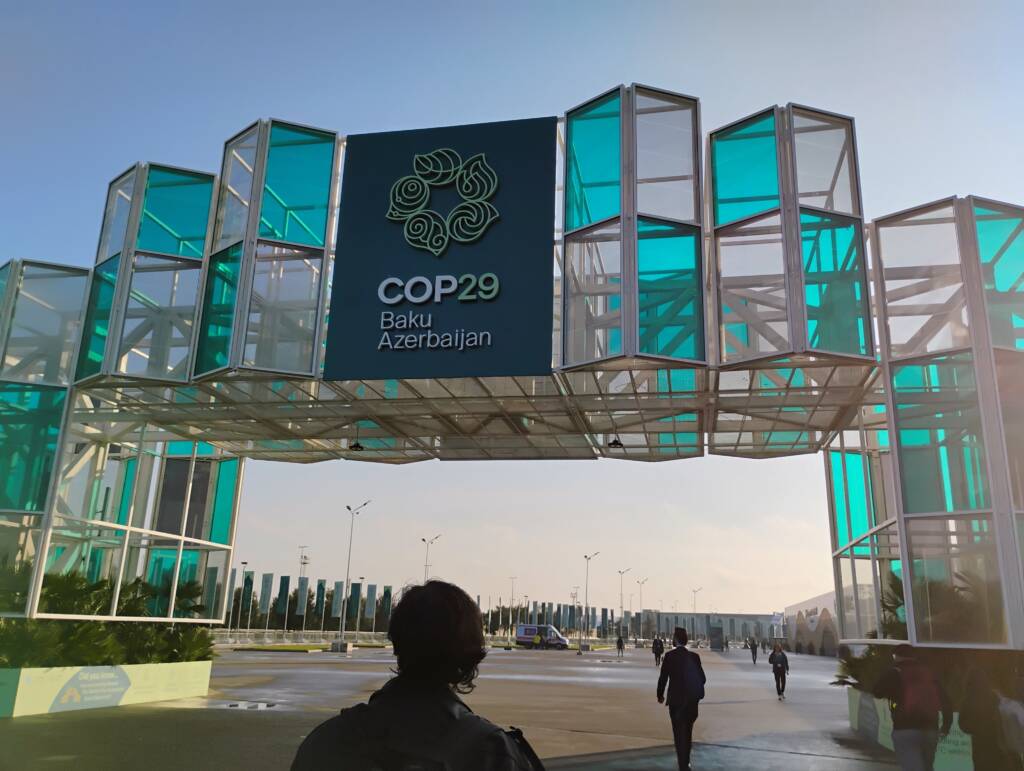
point(444, 262)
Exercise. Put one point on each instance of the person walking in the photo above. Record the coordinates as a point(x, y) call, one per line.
point(620, 647)
point(417, 720)
point(916, 698)
point(980, 717)
point(658, 648)
point(780, 668)
point(682, 672)
point(753, 649)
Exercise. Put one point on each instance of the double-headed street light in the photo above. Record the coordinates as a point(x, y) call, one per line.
point(426, 558)
point(303, 562)
point(348, 564)
point(511, 604)
point(640, 582)
point(621, 608)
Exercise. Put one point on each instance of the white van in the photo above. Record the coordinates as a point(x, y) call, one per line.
point(550, 637)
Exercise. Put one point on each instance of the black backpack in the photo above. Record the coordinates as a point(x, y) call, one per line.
point(357, 740)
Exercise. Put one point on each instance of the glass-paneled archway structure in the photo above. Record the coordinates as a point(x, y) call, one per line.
point(712, 294)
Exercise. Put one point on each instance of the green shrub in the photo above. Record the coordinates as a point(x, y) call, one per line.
point(54, 643)
point(47, 643)
point(951, 665)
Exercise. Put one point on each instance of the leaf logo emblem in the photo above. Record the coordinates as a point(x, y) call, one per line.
point(468, 221)
point(409, 201)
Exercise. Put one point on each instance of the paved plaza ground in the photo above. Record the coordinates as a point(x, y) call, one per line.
point(579, 712)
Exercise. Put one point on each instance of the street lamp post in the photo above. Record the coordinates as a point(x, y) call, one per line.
point(511, 604)
point(303, 561)
point(694, 591)
point(586, 597)
point(238, 623)
point(573, 595)
point(248, 615)
point(640, 583)
point(348, 566)
point(426, 558)
point(621, 608)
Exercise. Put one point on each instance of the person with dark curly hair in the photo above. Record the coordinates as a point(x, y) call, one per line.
point(416, 721)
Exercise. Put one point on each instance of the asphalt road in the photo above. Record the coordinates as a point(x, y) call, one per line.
point(591, 711)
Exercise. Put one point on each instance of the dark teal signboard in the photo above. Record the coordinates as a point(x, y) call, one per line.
point(444, 257)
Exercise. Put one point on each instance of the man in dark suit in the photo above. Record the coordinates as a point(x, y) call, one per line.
point(683, 673)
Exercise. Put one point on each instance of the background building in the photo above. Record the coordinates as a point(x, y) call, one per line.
point(812, 626)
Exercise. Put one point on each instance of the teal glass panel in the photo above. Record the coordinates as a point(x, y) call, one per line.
point(835, 284)
point(1001, 247)
point(213, 346)
point(676, 381)
point(744, 169)
point(954, 576)
point(115, 217)
point(842, 523)
point(82, 566)
point(201, 583)
point(160, 575)
point(297, 189)
point(156, 335)
point(175, 212)
point(280, 332)
point(124, 505)
point(671, 305)
point(5, 273)
point(30, 422)
point(45, 324)
point(97, 319)
point(666, 185)
point(825, 170)
point(752, 290)
point(889, 573)
point(593, 263)
point(20, 538)
point(236, 192)
point(184, 449)
point(681, 438)
point(941, 449)
point(593, 174)
point(853, 493)
point(223, 501)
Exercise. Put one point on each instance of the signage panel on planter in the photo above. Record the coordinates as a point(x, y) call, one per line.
point(444, 256)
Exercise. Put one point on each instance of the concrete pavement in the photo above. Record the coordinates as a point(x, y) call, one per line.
point(579, 712)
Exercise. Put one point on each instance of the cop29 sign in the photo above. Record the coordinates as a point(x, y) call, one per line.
point(444, 255)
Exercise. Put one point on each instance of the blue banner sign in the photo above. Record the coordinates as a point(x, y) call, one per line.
point(282, 594)
point(301, 595)
point(444, 262)
point(371, 601)
point(321, 591)
point(266, 590)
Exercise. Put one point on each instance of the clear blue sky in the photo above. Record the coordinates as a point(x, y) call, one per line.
point(89, 88)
